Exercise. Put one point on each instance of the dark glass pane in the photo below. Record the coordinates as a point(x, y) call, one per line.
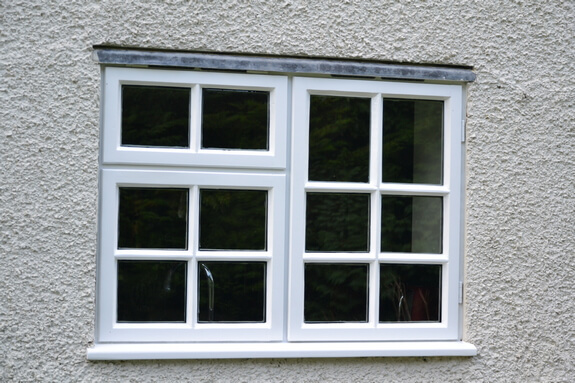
point(151, 291)
point(235, 119)
point(155, 116)
point(339, 139)
point(412, 141)
point(336, 293)
point(233, 219)
point(153, 218)
point(337, 222)
point(410, 293)
point(232, 292)
point(411, 224)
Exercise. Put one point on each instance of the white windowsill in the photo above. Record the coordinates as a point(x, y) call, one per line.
point(140, 351)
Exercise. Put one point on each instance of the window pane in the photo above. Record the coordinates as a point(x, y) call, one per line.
point(151, 291)
point(153, 218)
point(231, 292)
point(155, 116)
point(339, 139)
point(233, 219)
point(410, 293)
point(337, 222)
point(336, 293)
point(412, 141)
point(411, 224)
point(235, 119)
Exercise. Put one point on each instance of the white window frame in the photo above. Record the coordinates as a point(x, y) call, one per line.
point(448, 327)
point(284, 334)
point(191, 330)
point(114, 153)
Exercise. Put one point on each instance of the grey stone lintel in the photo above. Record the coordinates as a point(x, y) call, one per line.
point(300, 66)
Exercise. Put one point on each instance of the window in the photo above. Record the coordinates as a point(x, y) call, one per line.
point(278, 215)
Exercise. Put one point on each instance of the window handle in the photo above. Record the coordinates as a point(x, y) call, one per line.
point(211, 289)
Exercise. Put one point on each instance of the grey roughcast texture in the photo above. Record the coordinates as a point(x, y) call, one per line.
point(520, 170)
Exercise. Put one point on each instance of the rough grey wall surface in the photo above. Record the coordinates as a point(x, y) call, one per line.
point(520, 233)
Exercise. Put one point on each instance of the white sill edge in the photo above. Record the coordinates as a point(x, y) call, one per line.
point(141, 351)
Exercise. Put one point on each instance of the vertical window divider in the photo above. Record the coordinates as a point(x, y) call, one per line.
point(375, 179)
point(192, 288)
point(196, 118)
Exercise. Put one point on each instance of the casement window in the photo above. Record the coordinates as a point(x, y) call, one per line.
point(283, 213)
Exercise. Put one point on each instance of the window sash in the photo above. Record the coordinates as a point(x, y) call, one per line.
point(448, 327)
point(114, 153)
point(110, 330)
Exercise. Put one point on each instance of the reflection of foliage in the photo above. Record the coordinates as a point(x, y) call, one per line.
point(153, 218)
point(239, 292)
point(409, 293)
point(235, 119)
point(339, 139)
point(411, 224)
point(337, 222)
point(233, 219)
point(151, 291)
point(412, 141)
point(336, 292)
point(155, 116)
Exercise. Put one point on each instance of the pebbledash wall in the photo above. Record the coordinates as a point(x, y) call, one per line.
point(519, 300)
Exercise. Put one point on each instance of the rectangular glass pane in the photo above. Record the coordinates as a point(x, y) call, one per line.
point(412, 141)
point(337, 222)
point(411, 224)
point(232, 292)
point(233, 219)
point(235, 119)
point(155, 116)
point(151, 291)
point(339, 139)
point(336, 292)
point(153, 218)
point(410, 293)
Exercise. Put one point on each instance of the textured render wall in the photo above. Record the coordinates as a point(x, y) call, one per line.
point(520, 233)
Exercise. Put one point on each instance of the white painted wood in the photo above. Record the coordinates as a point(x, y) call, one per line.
point(128, 351)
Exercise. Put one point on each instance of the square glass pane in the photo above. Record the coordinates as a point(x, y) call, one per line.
point(151, 291)
point(155, 116)
point(233, 219)
point(412, 141)
point(235, 119)
point(410, 293)
point(232, 292)
point(337, 222)
point(336, 292)
point(411, 224)
point(339, 139)
point(153, 218)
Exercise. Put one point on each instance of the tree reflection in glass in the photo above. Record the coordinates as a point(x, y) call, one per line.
point(412, 141)
point(339, 139)
point(336, 292)
point(235, 119)
point(153, 218)
point(151, 291)
point(411, 224)
point(155, 116)
point(233, 219)
point(337, 222)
